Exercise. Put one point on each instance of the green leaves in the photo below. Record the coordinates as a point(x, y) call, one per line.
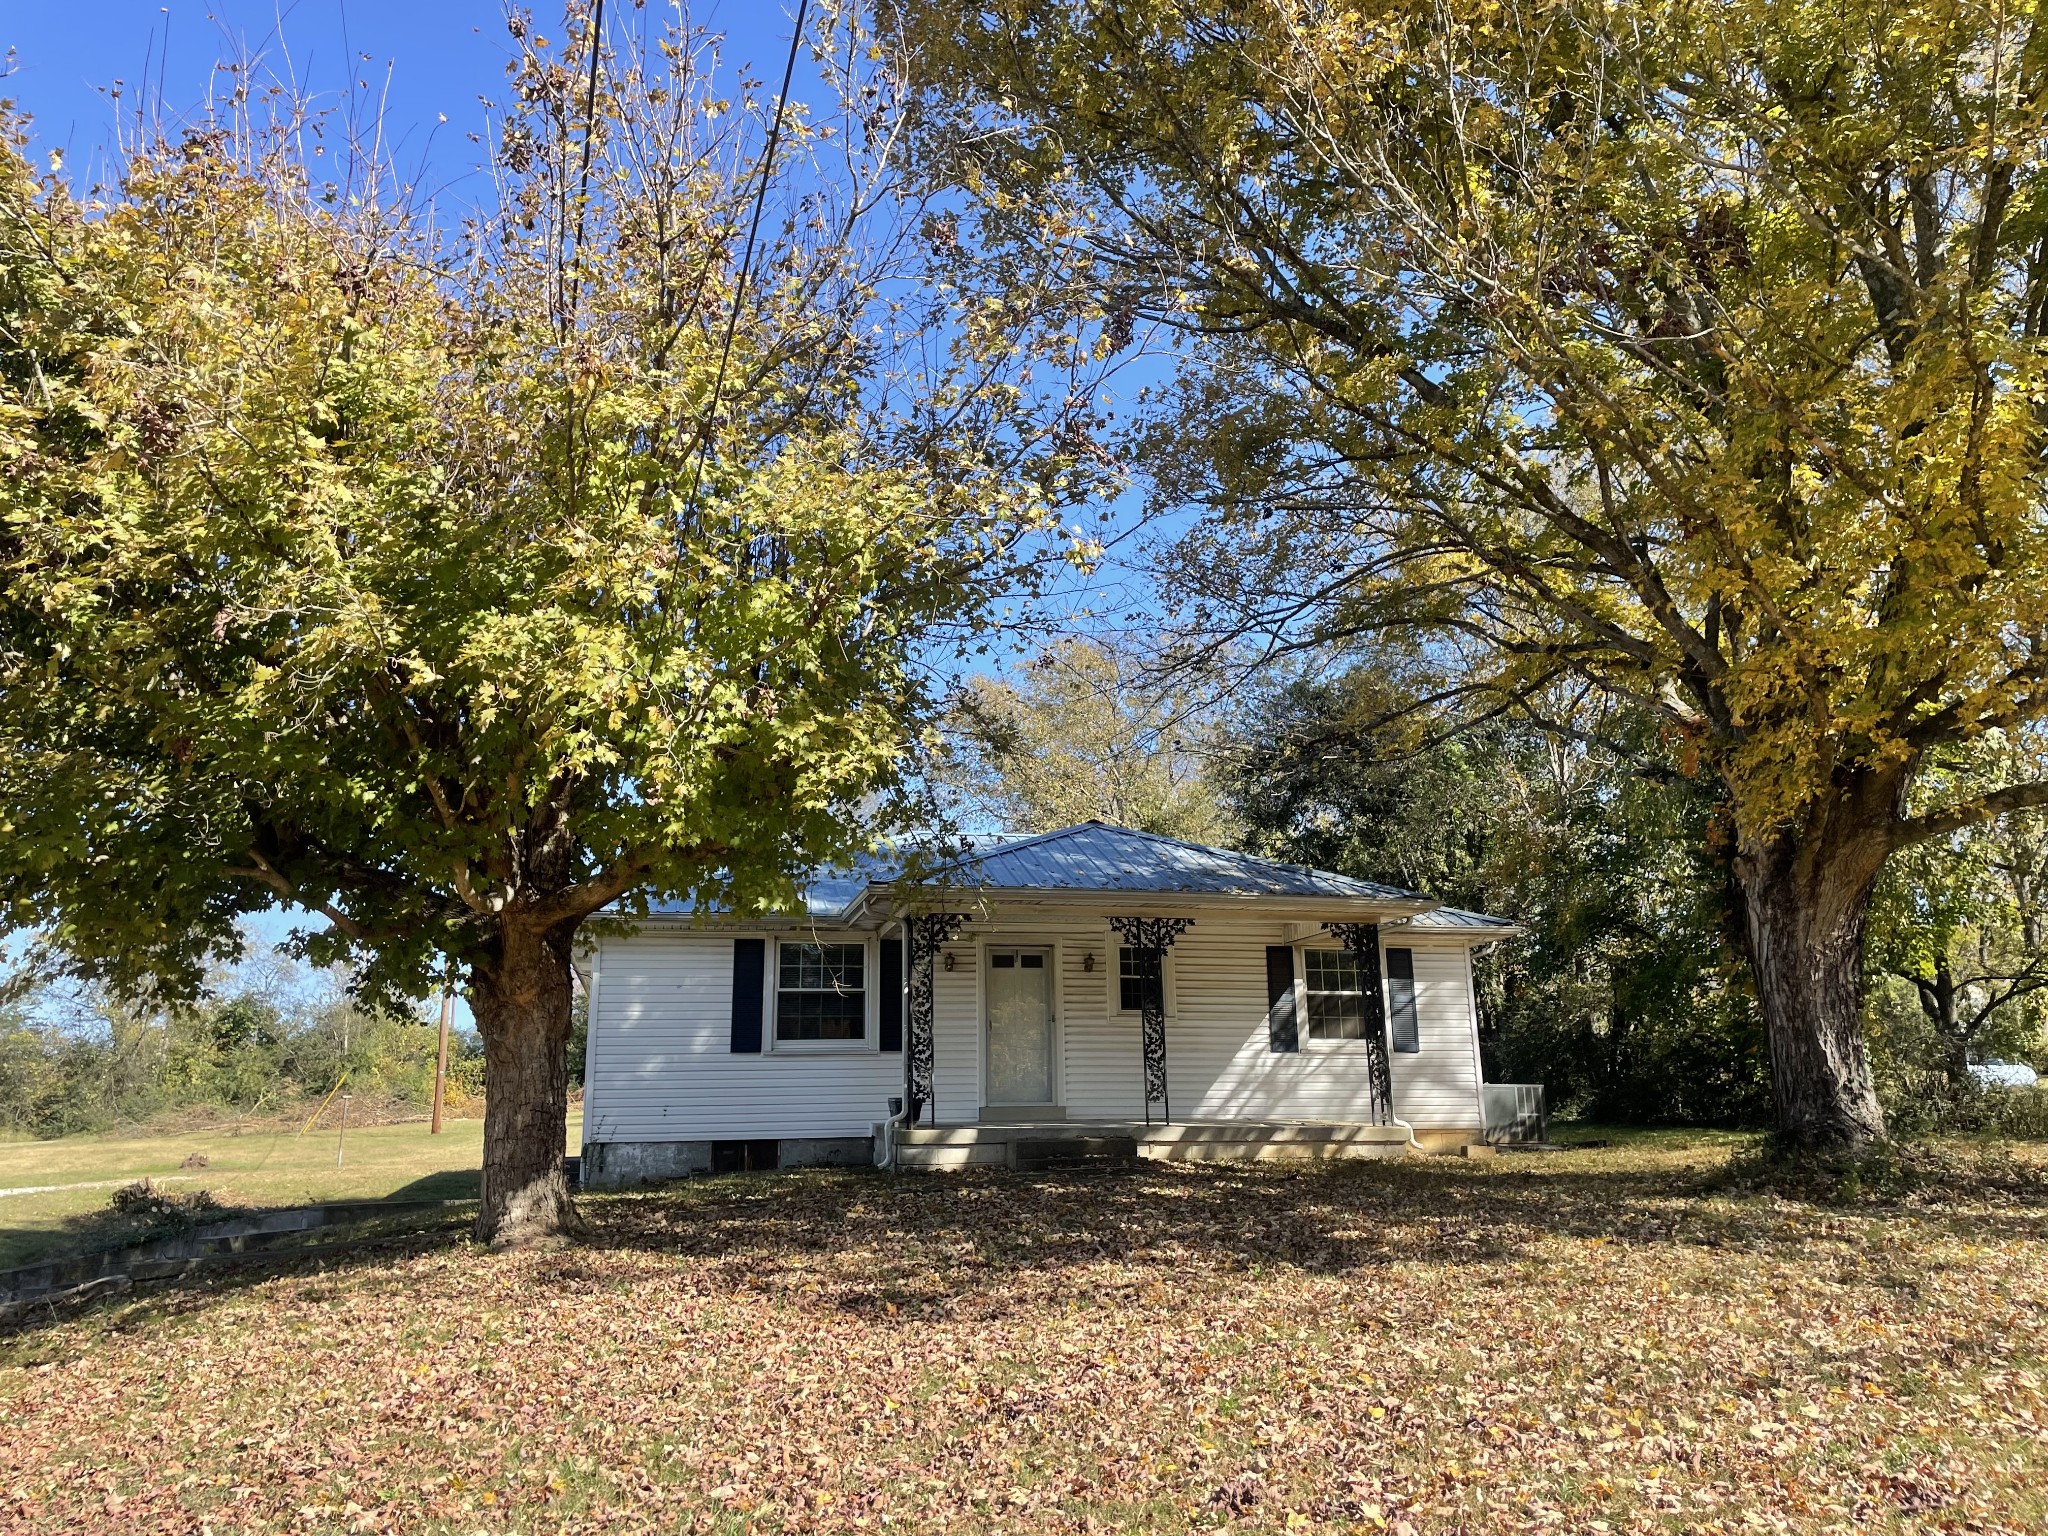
point(1694, 351)
point(420, 580)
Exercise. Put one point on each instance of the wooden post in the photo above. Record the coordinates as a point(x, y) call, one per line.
point(441, 1061)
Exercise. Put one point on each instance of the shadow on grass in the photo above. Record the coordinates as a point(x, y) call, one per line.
point(449, 1184)
point(979, 1244)
point(983, 1241)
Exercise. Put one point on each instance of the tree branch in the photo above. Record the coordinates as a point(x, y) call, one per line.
point(2000, 802)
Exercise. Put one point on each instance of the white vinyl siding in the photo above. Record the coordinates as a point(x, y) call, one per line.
point(1219, 1066)
point(662, 1069)
point(956, 1035)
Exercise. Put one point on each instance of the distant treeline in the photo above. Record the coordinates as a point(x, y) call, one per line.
point(93, 1064)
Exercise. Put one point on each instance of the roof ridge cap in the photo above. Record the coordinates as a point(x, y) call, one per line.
point(1262, 858)
point(1022, 842)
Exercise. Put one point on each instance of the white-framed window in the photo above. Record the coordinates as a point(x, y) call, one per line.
point(821, 993)
point(1133, 975)
point(1335, 993)
point(1336, 1003)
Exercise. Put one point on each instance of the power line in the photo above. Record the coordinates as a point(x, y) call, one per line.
point(739, 298)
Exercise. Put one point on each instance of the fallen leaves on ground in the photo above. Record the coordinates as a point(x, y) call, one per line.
point(1592, 1342)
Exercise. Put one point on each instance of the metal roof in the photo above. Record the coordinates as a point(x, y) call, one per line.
point(1458, 918)
point(826, 895)
point(1096, 857)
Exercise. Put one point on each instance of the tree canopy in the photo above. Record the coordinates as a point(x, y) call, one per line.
point(457, 585)
point(1695, 352)
point(1085, 731)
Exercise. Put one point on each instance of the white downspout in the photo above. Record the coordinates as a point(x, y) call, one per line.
point(1404, 1125)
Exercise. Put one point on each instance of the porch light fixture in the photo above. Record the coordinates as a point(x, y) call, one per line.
point(1088, 962)
point(949, 959)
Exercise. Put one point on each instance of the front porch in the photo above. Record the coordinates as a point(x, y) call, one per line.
point(1059, 1143)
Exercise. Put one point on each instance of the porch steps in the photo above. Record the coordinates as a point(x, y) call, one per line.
point(1054, 1152)
point(1053, 1144)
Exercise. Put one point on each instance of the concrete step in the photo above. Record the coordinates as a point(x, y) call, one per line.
point(1225, 1134)
point(1072, 1151)
point(1045, 1145)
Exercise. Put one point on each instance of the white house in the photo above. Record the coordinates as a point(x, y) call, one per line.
point(1090, 990)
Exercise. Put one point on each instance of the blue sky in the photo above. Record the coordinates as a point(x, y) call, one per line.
point(422, 58)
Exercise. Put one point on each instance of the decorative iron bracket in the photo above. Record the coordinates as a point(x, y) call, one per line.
point(1363, 940)
point(923, 937)
point(1152, 937)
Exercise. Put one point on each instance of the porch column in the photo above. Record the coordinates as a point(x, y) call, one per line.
point(1363, 940)
point(923, 937)
point(1151, 938)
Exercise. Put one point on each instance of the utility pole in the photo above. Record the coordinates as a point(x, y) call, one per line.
point(341, 1140)
point(441, 1061)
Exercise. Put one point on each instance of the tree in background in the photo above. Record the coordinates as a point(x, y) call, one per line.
point(91, 1061)
point(455, 588)
point(1961, 924)
point(1692, 351)
point(1084, 733)
point(1622, 997)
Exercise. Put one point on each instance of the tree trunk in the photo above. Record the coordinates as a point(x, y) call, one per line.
point(521, 998)
point(1805, 894)
point(1938, 1003)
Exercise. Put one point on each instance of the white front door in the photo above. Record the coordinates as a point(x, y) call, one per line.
point(1020, 1026)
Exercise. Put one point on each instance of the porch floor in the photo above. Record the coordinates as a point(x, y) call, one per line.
point(1033, 1144)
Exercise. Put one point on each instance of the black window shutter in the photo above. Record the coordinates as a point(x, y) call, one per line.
point(749, 965)
point(1282, 1034)
point(1401, 999)
point(889, 1006)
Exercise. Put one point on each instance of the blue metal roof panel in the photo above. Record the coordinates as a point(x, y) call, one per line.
point(1094, 857)
point(828, 894)
point(1458, 917)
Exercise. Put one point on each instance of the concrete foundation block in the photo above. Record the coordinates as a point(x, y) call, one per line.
point(622, 1164)
point(827, 1152)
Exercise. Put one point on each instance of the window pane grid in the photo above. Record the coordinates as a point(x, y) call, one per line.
point(1133, 973)
point(1331, 970)
point(821, 992)
point(823, 967)
point(1336, 1000)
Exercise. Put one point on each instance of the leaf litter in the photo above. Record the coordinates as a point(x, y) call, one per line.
point(1600, 1341)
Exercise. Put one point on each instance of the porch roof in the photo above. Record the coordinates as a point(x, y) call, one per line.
point(1458, 920)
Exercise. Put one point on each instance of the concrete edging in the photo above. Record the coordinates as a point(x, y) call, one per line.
point(167, 1257)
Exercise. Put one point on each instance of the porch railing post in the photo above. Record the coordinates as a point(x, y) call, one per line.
point(923, 937)
point(1363, 940)
point(1150, 938)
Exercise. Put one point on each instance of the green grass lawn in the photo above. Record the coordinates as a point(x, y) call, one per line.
point(267, 1167)
point(1631, 1339)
